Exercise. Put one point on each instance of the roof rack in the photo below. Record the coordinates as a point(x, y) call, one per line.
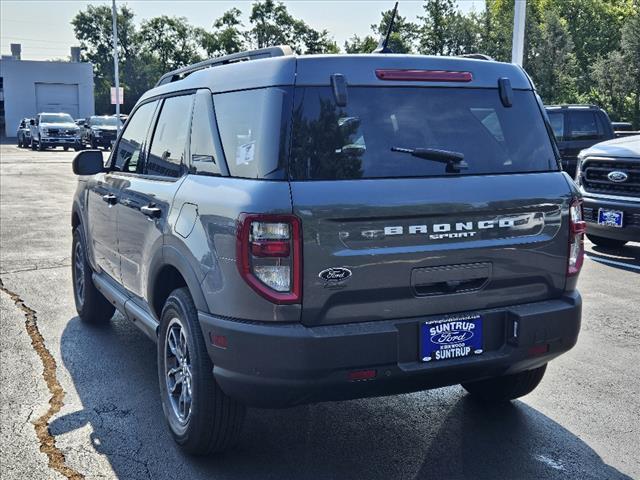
point(180, 73)
point(584, 106)
point(477, 56)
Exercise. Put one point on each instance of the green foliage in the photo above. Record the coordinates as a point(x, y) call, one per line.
point(575, 50)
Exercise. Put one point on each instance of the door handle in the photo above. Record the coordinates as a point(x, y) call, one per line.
point(151, 211)
point(110, 198)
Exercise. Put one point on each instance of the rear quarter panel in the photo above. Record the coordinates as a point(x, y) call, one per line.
point(210, 246)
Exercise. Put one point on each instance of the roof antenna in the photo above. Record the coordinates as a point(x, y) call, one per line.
point(384, 40)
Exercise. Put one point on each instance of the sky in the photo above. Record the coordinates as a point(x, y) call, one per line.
point(44, 30)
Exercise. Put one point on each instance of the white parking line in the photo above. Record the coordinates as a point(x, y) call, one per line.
point(613, 262)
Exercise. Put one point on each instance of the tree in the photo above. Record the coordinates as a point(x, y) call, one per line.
point(631, 50)
point(435, 28)
point(227, 36)
point(93, 28)
point(401, 40)
point(551, 61)
point(274, 25)
point(170, 41)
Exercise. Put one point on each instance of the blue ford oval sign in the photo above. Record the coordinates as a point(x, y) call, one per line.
point(335, 274)
point(617, 176)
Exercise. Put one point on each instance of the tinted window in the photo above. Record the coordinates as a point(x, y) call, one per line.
point(557, 124)
point(203, 151)
point(166, 156)
point(253, 131)
point(583, 126)
point(331, 142)
point(129, 149)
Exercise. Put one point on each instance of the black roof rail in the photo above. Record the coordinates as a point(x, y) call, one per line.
point(477, 56)
point(180, 73)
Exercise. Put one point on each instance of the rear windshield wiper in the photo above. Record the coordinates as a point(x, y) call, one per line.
point(454, 160)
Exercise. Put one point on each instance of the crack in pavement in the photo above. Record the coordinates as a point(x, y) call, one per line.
point(34, 268)
point(47, 441)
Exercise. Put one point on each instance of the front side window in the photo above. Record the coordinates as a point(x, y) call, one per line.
point(330, 142)
point(557, 124)
point(253, 130)
point(169, 142)
point(129, 152)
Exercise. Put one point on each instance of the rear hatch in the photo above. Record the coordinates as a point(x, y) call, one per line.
point(389, 235)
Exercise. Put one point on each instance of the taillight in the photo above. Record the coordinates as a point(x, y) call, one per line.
point(577, 227)
point(270, 256)
point(423, 75)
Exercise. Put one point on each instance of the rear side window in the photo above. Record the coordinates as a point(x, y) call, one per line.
point(331, 142)
point(584, 126)
point(169, 143)
point(203, 133)
point(253, 130)
point(129, 152)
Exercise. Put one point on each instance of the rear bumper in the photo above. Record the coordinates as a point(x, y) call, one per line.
point(630, 230)
point(267, 365)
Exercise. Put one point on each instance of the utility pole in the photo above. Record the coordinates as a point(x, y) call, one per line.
point(517, 43)
point(116, 75)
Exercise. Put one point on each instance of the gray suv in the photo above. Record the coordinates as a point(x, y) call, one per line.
point(295, 229)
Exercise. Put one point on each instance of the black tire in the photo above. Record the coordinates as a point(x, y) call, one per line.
point(91, 305)
point(33, 144)
point(213, 422)
point(606, 242)
point(94, 144)
point(505, 388)
point(40, 146)
point(65, 149)
point(19, 142)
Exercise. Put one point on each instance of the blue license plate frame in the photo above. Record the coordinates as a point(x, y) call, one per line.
point(451, 338)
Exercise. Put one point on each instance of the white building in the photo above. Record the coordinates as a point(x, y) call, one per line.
point(30, 87)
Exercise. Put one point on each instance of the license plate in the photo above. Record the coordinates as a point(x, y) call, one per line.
point(451, 338)
point(610, 218)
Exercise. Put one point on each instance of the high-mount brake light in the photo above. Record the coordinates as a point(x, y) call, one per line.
point(423, 75)
point(577, 228)
point(269, 251)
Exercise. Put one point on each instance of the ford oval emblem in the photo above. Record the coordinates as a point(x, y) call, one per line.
point(335, 274)
point(617, 176)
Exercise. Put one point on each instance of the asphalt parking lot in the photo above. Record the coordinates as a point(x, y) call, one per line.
point(81, 401)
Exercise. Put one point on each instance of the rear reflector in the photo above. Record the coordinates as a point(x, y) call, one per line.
point(218, 340)
point(538, 350)
point(424, 75)
point(362, 375)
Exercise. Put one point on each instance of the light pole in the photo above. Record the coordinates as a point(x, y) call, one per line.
point(116, 75)
point(517, 43)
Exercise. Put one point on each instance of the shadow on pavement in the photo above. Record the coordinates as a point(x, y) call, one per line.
point(436, 434)
point(629, 255)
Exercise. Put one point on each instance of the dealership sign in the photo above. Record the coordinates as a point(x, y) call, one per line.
point(113, 96)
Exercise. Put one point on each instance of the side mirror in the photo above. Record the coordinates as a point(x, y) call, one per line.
point(32, 122)
point(88, 162)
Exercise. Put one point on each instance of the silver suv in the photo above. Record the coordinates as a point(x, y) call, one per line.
point(294, 229)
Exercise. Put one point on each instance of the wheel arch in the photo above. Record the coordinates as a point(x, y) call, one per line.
point(170, 270)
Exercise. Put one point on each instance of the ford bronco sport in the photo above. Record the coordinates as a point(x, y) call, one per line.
point(295, 229)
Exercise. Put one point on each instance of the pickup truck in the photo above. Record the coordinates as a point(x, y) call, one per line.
point(50, 130)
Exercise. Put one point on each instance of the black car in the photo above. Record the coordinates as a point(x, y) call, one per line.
point(24, 133)
point(609, 179)
point(577, 127)
point(100, 131)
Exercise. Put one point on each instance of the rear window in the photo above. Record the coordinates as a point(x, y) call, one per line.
point(584, 126)
point(331, 142)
